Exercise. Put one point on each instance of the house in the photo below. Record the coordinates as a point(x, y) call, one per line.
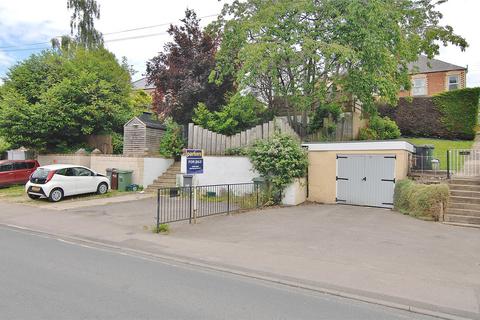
point(142, 84)
point(142, 135)
point(432, 76)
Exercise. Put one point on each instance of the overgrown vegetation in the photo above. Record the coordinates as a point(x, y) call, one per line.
point(172, 142)
point(379, 128)
point(329, 110)
point(449, 115)
point(4, 145)
point(242, 112)
point(421, 200)
point(279, 160)
point(236, 151)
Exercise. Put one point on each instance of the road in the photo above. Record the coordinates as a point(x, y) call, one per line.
point(47, 278)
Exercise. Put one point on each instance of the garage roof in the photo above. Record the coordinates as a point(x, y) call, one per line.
point(360, 146)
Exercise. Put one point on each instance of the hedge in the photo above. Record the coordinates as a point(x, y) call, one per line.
point(448, 115)
point(420, 200)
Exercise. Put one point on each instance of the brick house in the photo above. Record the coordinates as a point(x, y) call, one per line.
point(432, 76)
point(141, 84)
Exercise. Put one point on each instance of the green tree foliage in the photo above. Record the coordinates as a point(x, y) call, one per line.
point(279, 160)
point(50, 101)
point(82, 22)
point(379, 128)
point(324, 110)
point(316, 51)
point(172, 143)
point(242, 112)
point(180, 73)
point(140, 101)
point(4, 145)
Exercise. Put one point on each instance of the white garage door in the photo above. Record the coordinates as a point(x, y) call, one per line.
point(367, 180)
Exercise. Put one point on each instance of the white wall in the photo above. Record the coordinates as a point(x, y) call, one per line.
point(153, 168)
point(223, 169)
point(295, 193)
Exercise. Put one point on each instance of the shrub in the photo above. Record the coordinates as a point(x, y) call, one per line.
point(329, 110)
point(4, 145)
point(279, 160)
point(172, 142)
point(449, 115)
point(380, 129)
point(236, 152)
point(117, 143)
point(241, 112)
point(420, 200)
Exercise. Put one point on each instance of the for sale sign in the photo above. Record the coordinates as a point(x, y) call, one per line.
point(194, 165)
point(193, 153)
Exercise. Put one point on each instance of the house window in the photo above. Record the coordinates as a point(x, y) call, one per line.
point(453, 82)
point(419, 87)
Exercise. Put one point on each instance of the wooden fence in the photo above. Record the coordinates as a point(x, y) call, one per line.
point(216, 144)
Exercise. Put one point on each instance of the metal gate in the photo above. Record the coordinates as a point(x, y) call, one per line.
point(367, 180)
point(463, 163)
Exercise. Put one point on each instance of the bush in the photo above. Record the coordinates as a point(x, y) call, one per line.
point(241, 112)
point(329, 110)
point(449, 115)
point(380, 129)
point(172, 142)
point(279, 160)
point(236, 152)
point(420, 200)
point(4, 145)
point(117, 143)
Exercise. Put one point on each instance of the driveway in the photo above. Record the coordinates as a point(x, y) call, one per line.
point(373, 254)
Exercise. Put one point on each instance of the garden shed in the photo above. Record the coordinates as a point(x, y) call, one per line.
point(142, 135)
point(357, 173)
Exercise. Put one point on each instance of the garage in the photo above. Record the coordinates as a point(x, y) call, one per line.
point(357, 173)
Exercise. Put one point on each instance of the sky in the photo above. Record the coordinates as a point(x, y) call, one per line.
point(26, 22)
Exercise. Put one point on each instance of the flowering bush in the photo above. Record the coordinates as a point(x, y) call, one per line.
point(279, 160)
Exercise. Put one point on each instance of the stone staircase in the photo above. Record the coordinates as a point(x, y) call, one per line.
point(464, 205)
point(168, 179)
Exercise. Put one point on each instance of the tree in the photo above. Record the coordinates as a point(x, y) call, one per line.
point(180, 73)
point(82, 22)
point(52, 100)
point(316, 52)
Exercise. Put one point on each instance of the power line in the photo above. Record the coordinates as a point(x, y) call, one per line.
point(23, 46)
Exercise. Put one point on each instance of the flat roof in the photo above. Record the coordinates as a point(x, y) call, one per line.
point(360, 146)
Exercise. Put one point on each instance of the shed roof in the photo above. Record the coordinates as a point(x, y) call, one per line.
point(425, 65)
point(361, 146)
point(146, 118)
point(142, 84)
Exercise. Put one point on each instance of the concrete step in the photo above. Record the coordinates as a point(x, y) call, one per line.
point(462, 219)
point(469, 200)
point(471, 194)
point(466, 206)
point(465, 181)
point(463, 212)
point(464, 187)
point(463, 224)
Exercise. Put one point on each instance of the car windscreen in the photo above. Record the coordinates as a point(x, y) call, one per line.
point(40, 173)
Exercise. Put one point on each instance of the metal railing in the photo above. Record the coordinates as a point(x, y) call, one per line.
point(463, 163)
point(190, 203)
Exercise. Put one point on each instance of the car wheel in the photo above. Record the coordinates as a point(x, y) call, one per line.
point(33, 196)
point(102, 188)
point(56, 195)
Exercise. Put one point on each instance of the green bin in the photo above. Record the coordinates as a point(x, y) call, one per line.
point(124, 179)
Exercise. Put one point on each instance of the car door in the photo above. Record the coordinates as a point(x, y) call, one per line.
point(7, 174)
point(86, 180)
point(21, 172)
point(66, 179)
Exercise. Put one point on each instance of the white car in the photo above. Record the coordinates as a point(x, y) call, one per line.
point(60, 180)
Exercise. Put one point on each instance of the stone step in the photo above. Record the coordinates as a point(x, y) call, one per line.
point(462, 193)
point(462, 224)
point(462, 219)
point(464, 187)
point(469, 200)
point(466, 206)
point(475, 182)
point(463, 212)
